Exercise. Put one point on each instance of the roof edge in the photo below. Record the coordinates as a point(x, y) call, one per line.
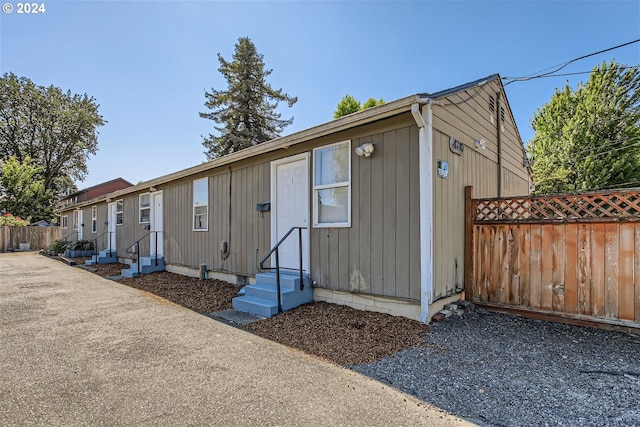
point(352, 120)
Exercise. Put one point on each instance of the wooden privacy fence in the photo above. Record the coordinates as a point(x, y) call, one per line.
point(570, 256)
point(37, 237)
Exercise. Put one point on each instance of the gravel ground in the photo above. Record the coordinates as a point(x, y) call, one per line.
point(505, 370)
point(491, 368)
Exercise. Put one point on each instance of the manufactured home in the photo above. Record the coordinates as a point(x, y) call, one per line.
point(375, 200)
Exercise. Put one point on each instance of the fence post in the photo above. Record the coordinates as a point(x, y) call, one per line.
point(468, 243)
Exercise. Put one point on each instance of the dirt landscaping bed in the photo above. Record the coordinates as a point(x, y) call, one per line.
point(341, 334)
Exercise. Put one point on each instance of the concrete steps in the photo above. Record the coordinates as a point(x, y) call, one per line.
point(103, 257)
point(262, 298)
point(147, 265)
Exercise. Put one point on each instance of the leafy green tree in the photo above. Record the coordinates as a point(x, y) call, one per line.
point(56, 129)
point(245, 113)
point(8, 220)
point(589, 138)
point(371, 102)
point(348, 105)
point(22, 193)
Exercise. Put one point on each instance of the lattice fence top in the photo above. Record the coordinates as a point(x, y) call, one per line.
point(614, 206)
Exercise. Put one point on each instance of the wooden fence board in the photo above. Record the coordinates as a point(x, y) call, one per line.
point(558, 259)
point(514, 266)
point(636, 270)
point(597, 269)
point(570, 270)
point(525, 255)
point(612, 269)
point(625, 276)
point(546, 265)
point(503, 273)
point(496, 261)
point(535, 285)
point(583, 303)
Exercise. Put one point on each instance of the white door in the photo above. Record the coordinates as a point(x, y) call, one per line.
point(111, 227)
point(80, 227)
point(156, 223)
point(290, 208)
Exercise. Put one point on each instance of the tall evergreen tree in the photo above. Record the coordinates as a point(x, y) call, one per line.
point(245, 113)
point(589, 138)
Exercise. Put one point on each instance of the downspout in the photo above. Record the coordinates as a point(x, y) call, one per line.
point(424, 120)
point(499, 141)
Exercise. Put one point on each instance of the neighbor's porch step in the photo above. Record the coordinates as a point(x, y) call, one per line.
point(103, 257)
point(147, 265)
point(288, 279)
point(260, 306)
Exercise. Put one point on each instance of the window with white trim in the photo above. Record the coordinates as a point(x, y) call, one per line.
point(332, 185)
point(75, 220)
point(119, 212)
point(144, 202)
point(94, 219)
point(201, 204)
point(65, 221)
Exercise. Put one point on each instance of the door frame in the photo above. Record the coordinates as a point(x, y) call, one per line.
point(153, 226)
point(80, 230)
point(112, 227)
point(306, 249)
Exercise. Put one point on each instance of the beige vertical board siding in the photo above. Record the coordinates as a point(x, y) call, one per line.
point(379, 253)
point(177, 221)
point(101, 237)
point(465, 116)
point(449, 225)
point(131, 230)
point(250, 230)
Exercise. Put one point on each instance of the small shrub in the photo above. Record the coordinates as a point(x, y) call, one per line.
point(56, 247)
point(80, 245)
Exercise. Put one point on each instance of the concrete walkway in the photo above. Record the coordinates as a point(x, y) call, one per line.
point(76, 349)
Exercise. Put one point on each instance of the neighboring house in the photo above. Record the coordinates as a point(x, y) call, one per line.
point(70, 218)
point(94, 192)
point(380, 192)
point(43, 223)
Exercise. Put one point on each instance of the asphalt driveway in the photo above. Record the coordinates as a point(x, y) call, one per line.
point(76, 349)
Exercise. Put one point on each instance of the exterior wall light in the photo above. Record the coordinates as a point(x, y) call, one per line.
point(365, 149)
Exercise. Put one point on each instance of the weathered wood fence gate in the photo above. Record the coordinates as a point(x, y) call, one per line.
point(570, 256)
point(36, 237)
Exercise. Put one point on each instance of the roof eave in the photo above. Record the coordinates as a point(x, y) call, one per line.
point(352, 120)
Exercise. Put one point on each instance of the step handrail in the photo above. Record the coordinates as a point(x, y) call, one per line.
point(70, 234)
point(95, 243)
point(136, 249)
point(275, 249)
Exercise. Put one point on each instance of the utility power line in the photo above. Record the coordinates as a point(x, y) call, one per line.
point(556, 68)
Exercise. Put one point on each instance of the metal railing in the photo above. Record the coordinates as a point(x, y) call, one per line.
point(278, 268)
point(95, 243)
point(136, 248)
point(66, 238)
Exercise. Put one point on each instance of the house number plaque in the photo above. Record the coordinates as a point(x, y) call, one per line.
point(456, 147)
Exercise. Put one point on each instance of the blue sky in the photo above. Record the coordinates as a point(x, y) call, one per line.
point(148, 63)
